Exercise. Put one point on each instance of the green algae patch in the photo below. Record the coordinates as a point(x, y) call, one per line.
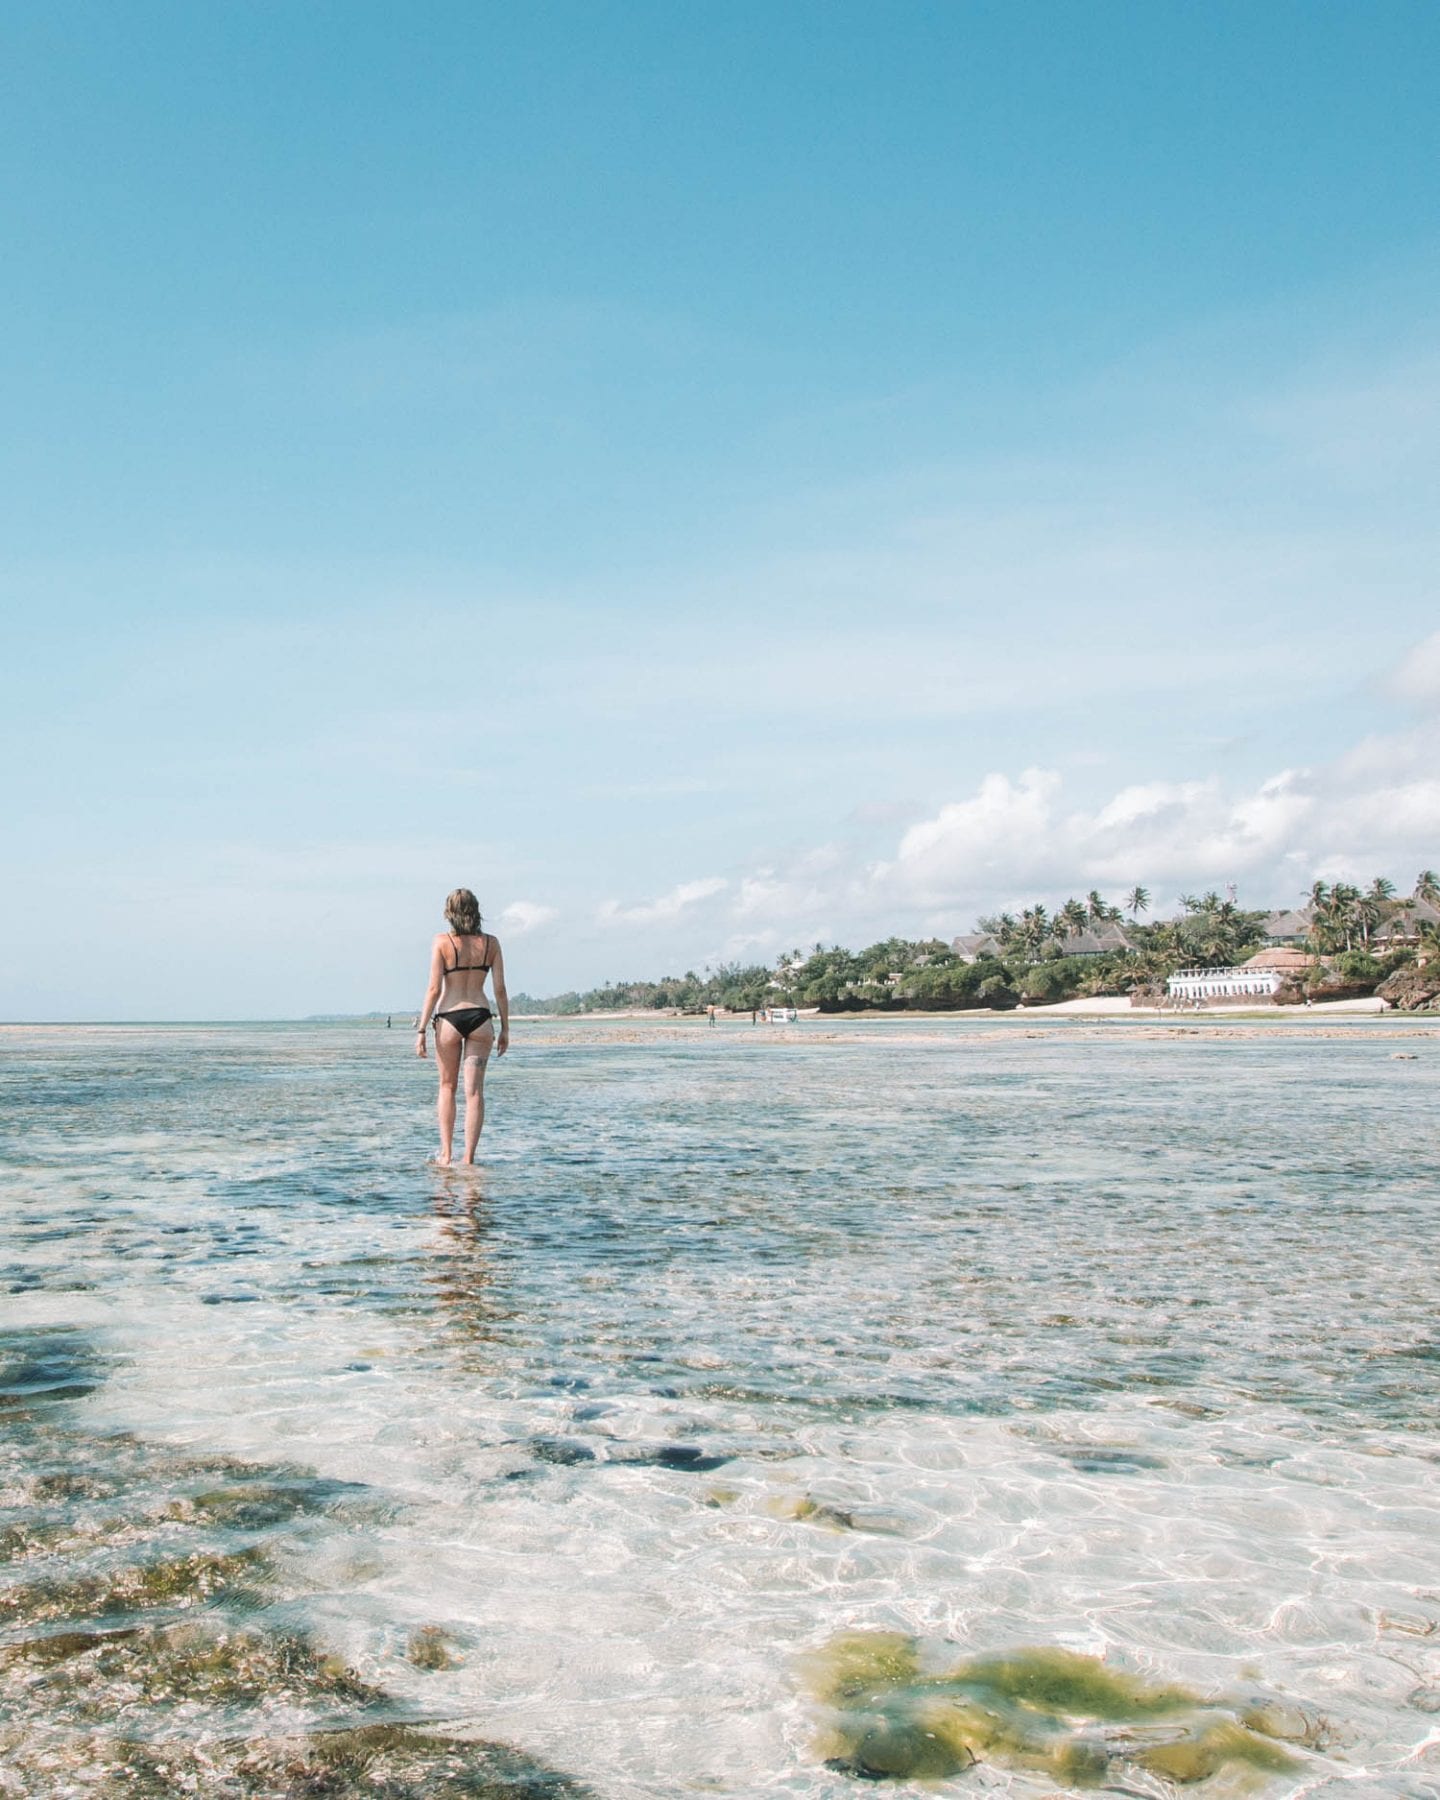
point(1053, 1711)
point(850, 1665)
point(1071, 1686)
point(1196, 1758)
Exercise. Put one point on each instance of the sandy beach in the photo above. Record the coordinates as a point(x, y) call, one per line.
point(1074, 1021)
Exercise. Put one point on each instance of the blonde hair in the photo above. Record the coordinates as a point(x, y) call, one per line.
point(462, 909)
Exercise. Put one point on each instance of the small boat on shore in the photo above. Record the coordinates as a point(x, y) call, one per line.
point(780, 1015)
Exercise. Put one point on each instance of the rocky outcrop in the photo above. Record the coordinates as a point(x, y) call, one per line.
point(1415, 988)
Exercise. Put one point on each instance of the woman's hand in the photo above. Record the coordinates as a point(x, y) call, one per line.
point(419, 1043)
point(503, 1042)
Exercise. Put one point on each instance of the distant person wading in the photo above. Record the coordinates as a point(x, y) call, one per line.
point(461, 960)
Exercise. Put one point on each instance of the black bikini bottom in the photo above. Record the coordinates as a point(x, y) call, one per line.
point(466, 1019)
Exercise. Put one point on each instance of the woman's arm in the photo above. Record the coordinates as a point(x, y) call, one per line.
point(502, 1000)
point(432, 994)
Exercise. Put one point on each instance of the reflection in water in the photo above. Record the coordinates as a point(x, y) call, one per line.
point(463, 1272)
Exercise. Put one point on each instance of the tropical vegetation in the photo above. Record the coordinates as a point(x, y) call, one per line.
point(1036, 956)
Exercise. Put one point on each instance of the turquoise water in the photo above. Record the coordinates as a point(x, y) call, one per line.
point(1117, 1340)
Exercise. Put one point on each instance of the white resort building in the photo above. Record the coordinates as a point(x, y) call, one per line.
point(1260, 976)
point(1222, 984)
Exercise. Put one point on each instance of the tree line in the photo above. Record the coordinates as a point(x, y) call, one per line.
point(1034, 958)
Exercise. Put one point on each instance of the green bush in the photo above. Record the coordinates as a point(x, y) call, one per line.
point(1048, 982)
point(1358, 965)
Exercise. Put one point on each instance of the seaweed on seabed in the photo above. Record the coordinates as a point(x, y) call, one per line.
point(147, 1606)
point(81, 1678)
point(1051, 1710)
point(198, 1578)
point(385, 1762)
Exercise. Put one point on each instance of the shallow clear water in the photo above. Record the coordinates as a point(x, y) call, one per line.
point(1120, 1341)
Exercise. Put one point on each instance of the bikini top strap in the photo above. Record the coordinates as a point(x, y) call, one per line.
point(456, 942)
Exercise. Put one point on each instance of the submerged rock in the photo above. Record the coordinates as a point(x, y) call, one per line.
point(814, 1512)
point(431, 1647)
point(805, 1508)
point(253, 1505)
point(44, 1365)
point(1275, 1718)
point(1053, 1711)
point(689, 1457)
point(564, 1451)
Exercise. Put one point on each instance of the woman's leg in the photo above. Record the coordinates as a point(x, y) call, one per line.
point(448, 1045)
point(477, 1054)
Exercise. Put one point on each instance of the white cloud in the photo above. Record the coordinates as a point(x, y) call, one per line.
point(521, 916)
point(666, 908)
point(1416, 677)
point(999, 834)
point(1015, 840)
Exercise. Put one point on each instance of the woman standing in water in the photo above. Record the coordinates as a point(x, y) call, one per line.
point(460, 959)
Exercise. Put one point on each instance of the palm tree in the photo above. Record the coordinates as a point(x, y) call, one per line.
point(1368, 915)
point(1343, 912)
point(1429, 941)
point(1008, 929)
point(1137, 901)
point(1319, 898)
point(1427, 886)
point(1073, 917)
point(1034, 928)
point(1381, 889)
point(1164, 951)
point(1096, 908)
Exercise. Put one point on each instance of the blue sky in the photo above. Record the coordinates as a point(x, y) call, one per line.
point(708, 479)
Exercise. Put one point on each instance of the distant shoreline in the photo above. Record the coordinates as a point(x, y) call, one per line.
point(1108, 1011)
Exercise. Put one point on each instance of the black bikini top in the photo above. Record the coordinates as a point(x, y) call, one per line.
point(460, 968)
